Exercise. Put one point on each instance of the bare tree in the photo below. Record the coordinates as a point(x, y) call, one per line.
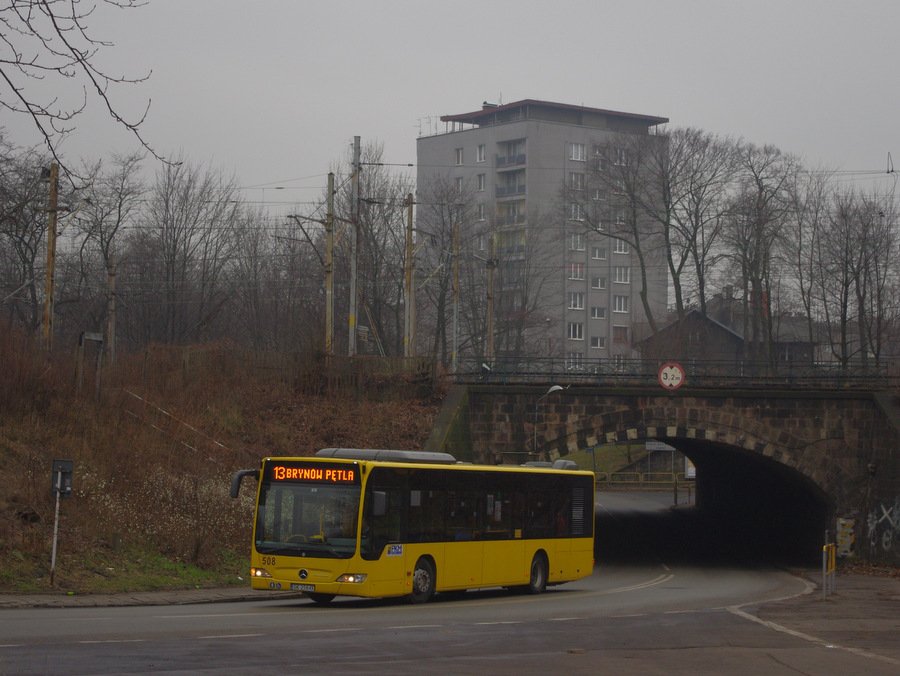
point(277, 300)
point(754, 227)
point(108, 204)
point(805, 227)
point(180, 254)
point(441, 208)
point(528, 261)
point(702, 168)
point(22, 230)
point(620, 188)
point(46, 46)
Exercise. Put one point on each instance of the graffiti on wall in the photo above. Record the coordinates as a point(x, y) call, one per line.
point(884, 526)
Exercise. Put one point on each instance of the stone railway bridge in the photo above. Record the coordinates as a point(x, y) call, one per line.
point(796, 458)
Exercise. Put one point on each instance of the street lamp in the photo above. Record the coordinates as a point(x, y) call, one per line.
point(554, 388)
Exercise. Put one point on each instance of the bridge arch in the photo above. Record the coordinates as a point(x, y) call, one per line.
point(825, 454)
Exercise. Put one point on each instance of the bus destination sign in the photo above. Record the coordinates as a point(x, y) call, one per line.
point(309, 472)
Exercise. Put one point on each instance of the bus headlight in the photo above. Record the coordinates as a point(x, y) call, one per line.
point(352, 578)
point(259, 572)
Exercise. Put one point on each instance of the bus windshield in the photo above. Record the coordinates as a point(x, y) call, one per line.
point(301, 519)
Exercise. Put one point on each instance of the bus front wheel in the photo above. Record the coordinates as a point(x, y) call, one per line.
point(537, 582)
point(422, 581)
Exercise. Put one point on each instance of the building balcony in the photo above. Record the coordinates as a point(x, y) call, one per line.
point(510, 160)
point(517, 219)
point(510, 191)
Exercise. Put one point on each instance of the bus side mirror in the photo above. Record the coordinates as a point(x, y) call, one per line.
point(379, 503)
point(238, 477)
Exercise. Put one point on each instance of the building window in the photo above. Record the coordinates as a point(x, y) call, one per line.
point(621, 247)
point(576, 242)
point(459, 185)
point(575, 331)
point(576, 180)
point(459, 156)
point(511, 213)
point(511, 241)
point(574, 360)
point(513, 183)
point(598, 253)
point(598, 313)
point(576, 152)
point(598, 282)
point(621, 274)
point(599, 194)
point(619, 187)
point(576, 212)
point(514, 153)
point(620, 334)
point(479, 153)
point(576, 301)
point(620, 303)
point(620, 156)
point(576, 270)
point(620, 218)
point(481, 242)
point(598, 342)
point(480, 182)
point(479, 212)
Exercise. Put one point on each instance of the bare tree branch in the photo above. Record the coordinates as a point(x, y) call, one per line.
point(45, 43)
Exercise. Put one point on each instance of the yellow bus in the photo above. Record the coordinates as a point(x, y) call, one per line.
point(382, 523)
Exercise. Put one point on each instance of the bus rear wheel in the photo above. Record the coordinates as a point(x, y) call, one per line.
point(422, 581)
point(537, 581)
point(321, 599)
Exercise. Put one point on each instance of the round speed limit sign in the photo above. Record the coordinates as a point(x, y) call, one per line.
point(671, 376)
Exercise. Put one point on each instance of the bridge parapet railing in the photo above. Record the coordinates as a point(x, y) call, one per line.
point(698, 373)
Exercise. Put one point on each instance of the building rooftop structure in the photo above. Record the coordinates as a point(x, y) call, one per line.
point(548, 111)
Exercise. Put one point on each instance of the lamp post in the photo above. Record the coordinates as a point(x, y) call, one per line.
point(554, 388)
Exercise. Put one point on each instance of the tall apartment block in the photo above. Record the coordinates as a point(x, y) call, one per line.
point(563, 289)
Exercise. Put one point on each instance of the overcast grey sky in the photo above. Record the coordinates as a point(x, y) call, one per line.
point(275, 90)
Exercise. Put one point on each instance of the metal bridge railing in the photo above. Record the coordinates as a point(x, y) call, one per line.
point(643, 372)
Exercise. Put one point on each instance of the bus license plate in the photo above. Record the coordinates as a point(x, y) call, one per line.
point(303, 587)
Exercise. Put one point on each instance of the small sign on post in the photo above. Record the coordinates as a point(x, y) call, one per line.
point(61, 487)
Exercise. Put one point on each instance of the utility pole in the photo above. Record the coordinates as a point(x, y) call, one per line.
point(51, 257)
point(354, 248)
point(111, 315)
point(491, 264)
point(409, 334)
point(454, 359)
point(329, 268)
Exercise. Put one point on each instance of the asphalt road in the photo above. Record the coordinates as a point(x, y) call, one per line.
point(628, 620)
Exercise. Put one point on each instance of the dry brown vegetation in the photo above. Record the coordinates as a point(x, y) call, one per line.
point(153, 456)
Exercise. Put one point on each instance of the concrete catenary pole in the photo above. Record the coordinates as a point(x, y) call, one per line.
point(329, 268)
point(354, 248)
point(409, 333)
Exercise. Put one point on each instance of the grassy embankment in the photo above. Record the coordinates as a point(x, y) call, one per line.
point(153, 460)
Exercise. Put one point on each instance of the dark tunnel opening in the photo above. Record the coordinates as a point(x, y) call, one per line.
point(749, 510)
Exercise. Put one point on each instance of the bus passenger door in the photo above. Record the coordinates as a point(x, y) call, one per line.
point(380, 540)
